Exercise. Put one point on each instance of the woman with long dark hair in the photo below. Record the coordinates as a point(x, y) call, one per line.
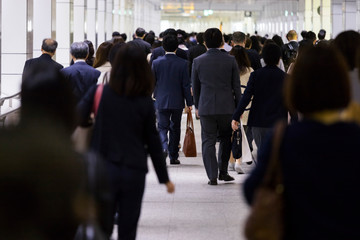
point(125, 133)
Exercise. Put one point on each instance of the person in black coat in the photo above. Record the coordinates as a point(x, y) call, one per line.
point(265, 89)
point(48, 50)
point(196, 50)
point(317, 204)
point(125, 133)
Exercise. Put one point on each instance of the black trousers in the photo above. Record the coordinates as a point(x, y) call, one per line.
point(127, 189)
point(213, 126)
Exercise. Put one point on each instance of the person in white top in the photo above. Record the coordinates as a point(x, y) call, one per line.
point(244, 71)
point(102, 63)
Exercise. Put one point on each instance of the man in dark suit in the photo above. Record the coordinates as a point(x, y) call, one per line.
point(160, 51)
point(139, 41)
point(216, 89)
point(265, 88)
point(239, 38)
point(48, 49)
point(80, 74)
point(196, 50)
point(172, 87)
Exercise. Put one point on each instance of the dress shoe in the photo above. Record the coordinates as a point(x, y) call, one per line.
point(226, 177)
point(174, 162)
point(238, 168)
point(212, 182)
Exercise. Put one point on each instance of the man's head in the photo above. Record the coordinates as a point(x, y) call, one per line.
point(238, 38)
point(170, 43)
point(292, 35)
point(311, 36)
point(116, 34)
point(140, 33)
point(321, 34)
point(213, 38)
point(79, 50)
point(49, 46)
point(271, 54)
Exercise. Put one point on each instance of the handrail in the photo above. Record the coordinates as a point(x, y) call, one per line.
point(2, 100)
point(12, 110)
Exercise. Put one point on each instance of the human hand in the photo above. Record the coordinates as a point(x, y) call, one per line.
point(197, 113)
point(234, 125)
point(170, 187)
point(190, 108)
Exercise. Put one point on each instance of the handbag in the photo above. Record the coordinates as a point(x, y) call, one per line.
point(236, 145)
point(82, 135)
point(266, 219)
point(189, 146)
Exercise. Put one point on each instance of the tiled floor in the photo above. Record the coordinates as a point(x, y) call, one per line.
point(196, 211)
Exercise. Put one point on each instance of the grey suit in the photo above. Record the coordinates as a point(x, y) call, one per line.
point(216, 88)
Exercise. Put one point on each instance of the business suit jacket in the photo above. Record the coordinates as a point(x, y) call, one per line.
point(266, 87)
point(43, 59)
point(145, 46)
point(160, 51)
point(125, 131)
point(172, 82)
point(82, 77)
point(216, 83)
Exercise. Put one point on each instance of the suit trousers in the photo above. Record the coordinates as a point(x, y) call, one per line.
point(213, 126)
point(169, 121)
point(127, 187)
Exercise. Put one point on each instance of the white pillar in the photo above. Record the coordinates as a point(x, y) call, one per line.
point(63, 31)
point(101, 21)
point(350, 14)
point(91, 21)
point(122, 16)
point(109, 19)
point(42, 24)
point(79, 20)
point(116, 25)
point(326, 17)
point(337, 17)
point(17, 42)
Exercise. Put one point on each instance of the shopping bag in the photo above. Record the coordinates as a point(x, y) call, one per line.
point(189, 146)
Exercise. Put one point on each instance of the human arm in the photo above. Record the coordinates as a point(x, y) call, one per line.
point(246, 98)
point(235, 82)
point(195, 84)
point(186, 86)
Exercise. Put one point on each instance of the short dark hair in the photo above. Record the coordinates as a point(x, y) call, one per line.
point(140, 32)
point(348, 43)
point(200, 38)
point(150, 38)
point(79, 50)
point(116, 34)
point(124, 36)
point(303, 34)
point(271, 54)
point(170, 43)
point(213, 38)
point(169, 31)
point(319, 81)
point(238, 37)
point(321, 34)
point(311, 36)
point(49, 45)
point(278, 40)
point(131, 74)
point(91, 48)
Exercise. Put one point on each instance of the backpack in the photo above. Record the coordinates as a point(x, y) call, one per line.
point(289, 55)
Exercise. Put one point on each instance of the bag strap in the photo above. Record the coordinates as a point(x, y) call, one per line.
point(97, 98)
point(189, 121)
point(273, 175)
